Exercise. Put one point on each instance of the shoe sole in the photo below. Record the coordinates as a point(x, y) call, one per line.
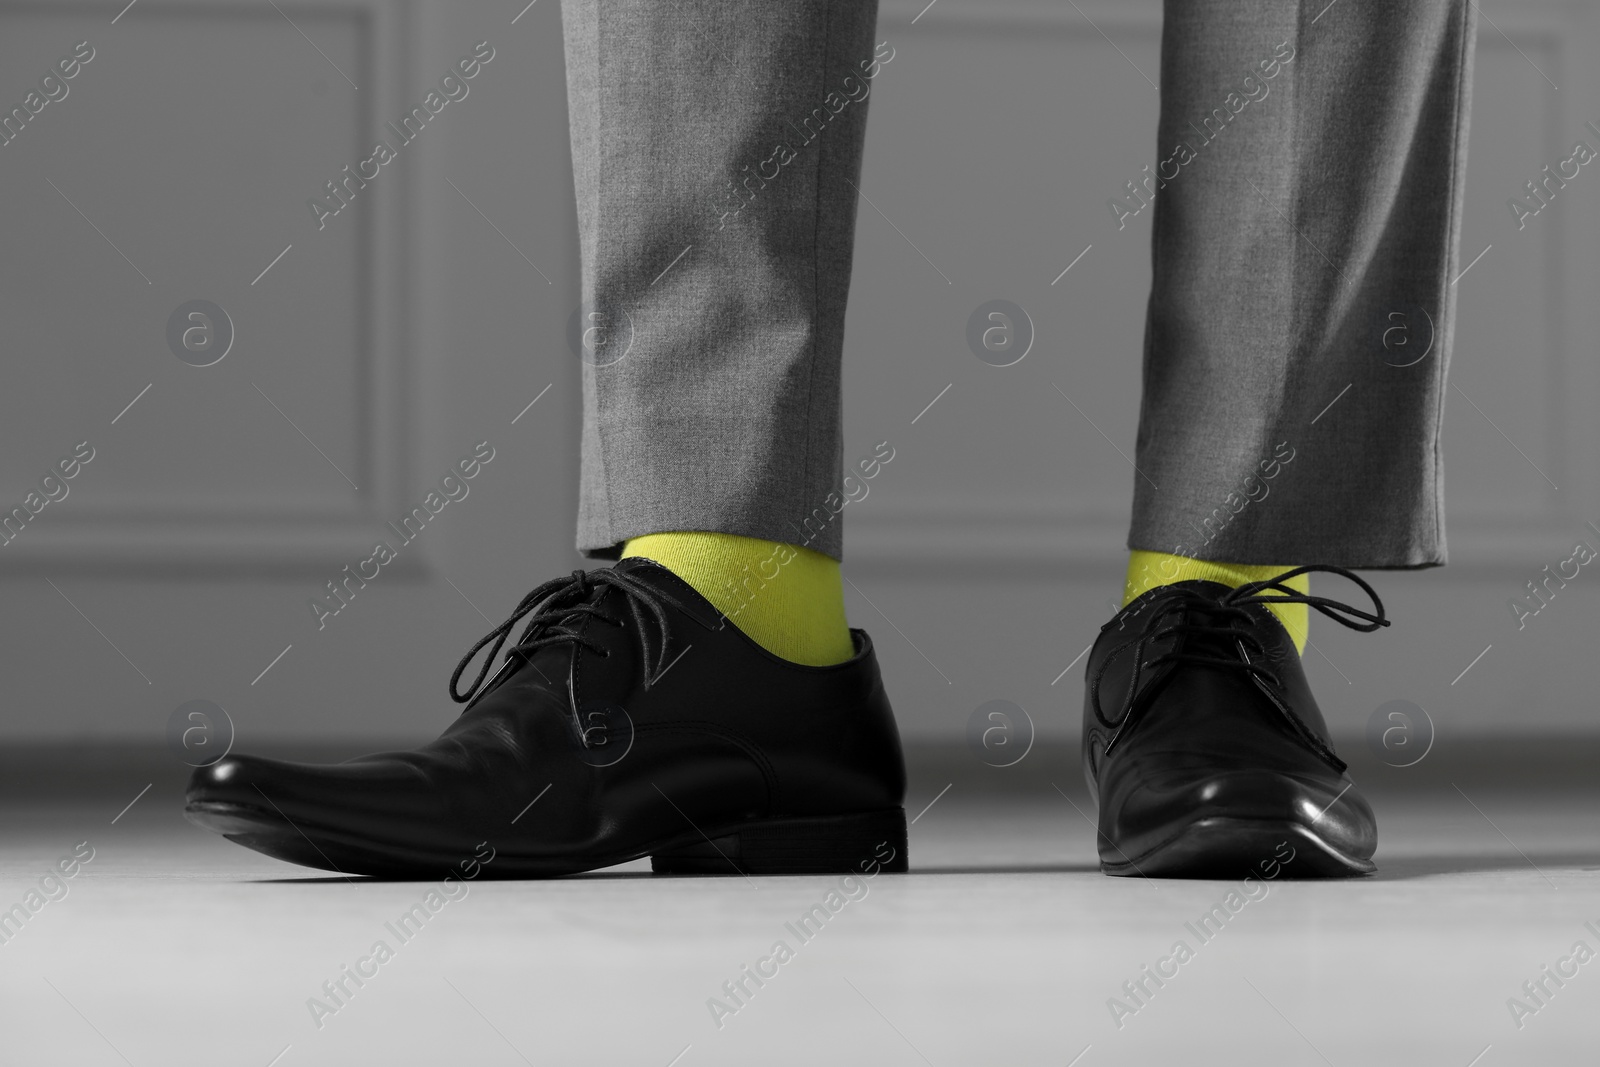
point(1225, 847)
point(833, 844)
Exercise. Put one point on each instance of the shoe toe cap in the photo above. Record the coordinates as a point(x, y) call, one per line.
point(234, 779)
point(1160, 807)
point(367, 793)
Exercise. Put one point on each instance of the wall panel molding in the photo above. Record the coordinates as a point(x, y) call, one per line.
point(134, 527)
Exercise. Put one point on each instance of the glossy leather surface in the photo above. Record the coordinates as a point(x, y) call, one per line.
point(724, 735)
point(1242, 756)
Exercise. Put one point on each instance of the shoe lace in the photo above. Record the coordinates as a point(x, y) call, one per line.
point(1167, 613)
point(558, 609)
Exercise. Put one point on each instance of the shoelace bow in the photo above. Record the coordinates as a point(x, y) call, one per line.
point(1224, 614)
point(558, 608)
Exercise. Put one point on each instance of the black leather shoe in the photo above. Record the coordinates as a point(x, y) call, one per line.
point(629, 720)
point(1205, 747)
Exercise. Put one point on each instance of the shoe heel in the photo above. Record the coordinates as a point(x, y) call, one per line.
point(864, 843)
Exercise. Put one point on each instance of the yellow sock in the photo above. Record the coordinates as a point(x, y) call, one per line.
point(787, 599)
point(1146, 570)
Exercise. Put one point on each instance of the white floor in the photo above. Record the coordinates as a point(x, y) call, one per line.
point(1003, 946)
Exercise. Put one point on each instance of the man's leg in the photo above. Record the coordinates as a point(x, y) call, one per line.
point(715, 146)
point(1281, 251)
point(1307, 206)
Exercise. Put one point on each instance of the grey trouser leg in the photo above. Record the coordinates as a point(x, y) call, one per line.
point(1302, 249)
point(714, 145)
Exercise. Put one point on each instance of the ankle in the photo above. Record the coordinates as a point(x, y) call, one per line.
point(1147, 570)
point(785, 598)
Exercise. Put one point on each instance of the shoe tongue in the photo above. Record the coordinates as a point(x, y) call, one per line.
point(1211, 590)
point(1215, 590)
point(658, 576)
point(1213, 644)
point(631, 564)
point(1268, 627)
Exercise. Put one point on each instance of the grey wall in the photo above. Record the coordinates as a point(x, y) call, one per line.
point(426, 316)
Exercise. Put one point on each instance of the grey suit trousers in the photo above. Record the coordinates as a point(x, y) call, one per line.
point(1307, 197)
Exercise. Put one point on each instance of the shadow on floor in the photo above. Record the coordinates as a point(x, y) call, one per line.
point(1392, 869)
point(1400, 868)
